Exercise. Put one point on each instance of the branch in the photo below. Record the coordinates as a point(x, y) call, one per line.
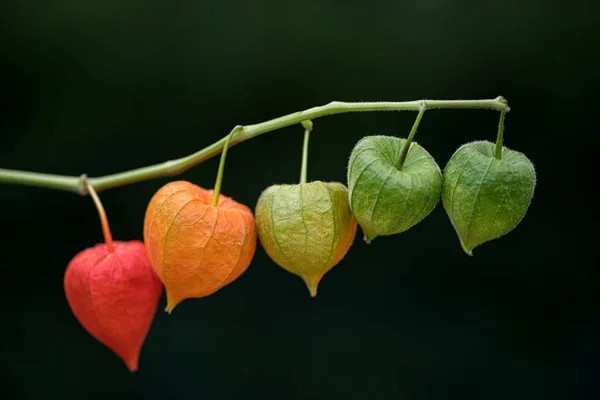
point(175, 167)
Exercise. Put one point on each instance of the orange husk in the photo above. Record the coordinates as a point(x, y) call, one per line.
point(195, 248)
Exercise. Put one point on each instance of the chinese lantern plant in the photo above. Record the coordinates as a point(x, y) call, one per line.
point(198, 240)
point(113, 292)
point(306, 228)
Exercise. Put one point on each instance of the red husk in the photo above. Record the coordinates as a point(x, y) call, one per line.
point(114, 295)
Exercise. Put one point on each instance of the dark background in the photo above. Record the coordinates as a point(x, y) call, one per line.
point(100, 87)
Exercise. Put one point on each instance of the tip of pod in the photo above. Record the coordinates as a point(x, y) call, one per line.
point(131, 362)
point(368, 239)
point(311, 284)
point(467, 250)
point(171, 306)
point(133, 367)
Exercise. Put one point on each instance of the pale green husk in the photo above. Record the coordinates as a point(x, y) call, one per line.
point(384, 199)
point(305, 228)
point(484, 197)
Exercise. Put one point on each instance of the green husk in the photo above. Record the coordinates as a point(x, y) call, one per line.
point(484, 197)
point(384, 199)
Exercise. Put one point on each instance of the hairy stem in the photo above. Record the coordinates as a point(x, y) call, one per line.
point(175, 167)
point(411, 136)
point(500, 136)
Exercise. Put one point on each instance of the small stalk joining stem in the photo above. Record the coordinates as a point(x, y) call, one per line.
point(219, 182)
point(103, 220)
point(500, 136)
point(308, 125)
point(411, 136)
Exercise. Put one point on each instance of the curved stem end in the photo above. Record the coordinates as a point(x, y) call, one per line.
point(103, 220)
point(219, 181)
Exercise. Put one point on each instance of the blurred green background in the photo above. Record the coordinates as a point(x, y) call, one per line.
point(100, 87)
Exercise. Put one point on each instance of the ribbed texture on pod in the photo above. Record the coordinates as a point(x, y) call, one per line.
point(196, 248)
point(306, 228)
point(384, 199)
point(484, 197)
point(114, 295)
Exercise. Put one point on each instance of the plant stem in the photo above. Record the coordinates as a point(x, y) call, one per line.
point(411, 136)
point(103, 220)
point(218, 183)
point(500, 136)
point(175, 167)
point(49, 181)
point(308, 125)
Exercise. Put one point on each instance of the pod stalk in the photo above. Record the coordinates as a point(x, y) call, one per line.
point(308, 125)
point(219, 181)
point(500, 136)
point(103, 220)
point(411, 136)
